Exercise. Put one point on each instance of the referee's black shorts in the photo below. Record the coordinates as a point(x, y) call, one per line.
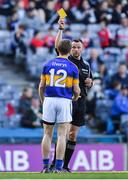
point(78, 112)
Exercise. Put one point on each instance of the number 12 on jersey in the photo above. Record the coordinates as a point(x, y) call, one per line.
point(57, 79)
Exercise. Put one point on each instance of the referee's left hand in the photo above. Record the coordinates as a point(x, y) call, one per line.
point(88, 82)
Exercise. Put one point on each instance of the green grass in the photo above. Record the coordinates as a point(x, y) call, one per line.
point(89, 175)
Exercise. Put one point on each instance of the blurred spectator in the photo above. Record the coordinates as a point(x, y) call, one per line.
point(69, 11)
point(122, 33)
point(121, 75)
point(120, 106)
point(6, 8)
point(94, 60)
point(84, 13)
point(32, 117)
point(14, 21)
point(116, 15)
point(37, 41)
point(67, 34)
point(74, 2)
point(94, 3)
point(114, 90)
point(25, 100)
point(49, 40)
point(19, 40)
point(31, 20)
point(125, 8)
point(103, 72)
point(50, 13)
point(95, 93)
point(38, 10)
point(103, 12)
point(39, 4)
point(20, 9)
point(10, 110)
point(125, 54)
point(104, 35)
point(87, 40)
point(111, 59)
point(26, 3)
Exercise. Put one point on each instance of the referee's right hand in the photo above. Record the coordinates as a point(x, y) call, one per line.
point(61, 23)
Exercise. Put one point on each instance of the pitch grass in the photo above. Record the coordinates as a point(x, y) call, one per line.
point(88, 175)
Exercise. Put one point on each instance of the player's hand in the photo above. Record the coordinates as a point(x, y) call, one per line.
point(61, 23)
point(88, 82)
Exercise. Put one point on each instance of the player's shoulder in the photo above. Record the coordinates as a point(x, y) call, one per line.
point(72, 64)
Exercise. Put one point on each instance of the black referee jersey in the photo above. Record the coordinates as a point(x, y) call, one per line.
point(79, 106)
point(84, 72)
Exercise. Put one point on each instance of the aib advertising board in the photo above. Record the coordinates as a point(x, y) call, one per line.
point(91, 157)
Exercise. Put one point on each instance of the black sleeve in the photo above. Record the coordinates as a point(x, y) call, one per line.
point(17, 39)
point(57, 52)
point(91, 76)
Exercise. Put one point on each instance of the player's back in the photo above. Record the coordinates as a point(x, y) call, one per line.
point(60, 75)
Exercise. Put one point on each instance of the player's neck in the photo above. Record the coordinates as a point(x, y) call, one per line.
point(63, 56)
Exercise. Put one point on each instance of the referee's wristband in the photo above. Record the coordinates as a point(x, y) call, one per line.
point(60, 28)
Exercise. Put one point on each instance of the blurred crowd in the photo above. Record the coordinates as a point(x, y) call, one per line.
point(27, 31)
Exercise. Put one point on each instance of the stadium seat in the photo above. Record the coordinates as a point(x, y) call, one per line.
point(23, 135)
point(93, 28)
point(77, 27)
point(124, 55)
point(3, 22)
point(113, 28)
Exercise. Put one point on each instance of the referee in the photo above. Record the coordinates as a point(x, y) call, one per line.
point(85, 82)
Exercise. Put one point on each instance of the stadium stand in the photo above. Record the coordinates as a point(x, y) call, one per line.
point(21, 68)
point(27, 135)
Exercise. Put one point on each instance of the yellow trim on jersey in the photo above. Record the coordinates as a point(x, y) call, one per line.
point(75, 81)
point(69, 81)
point(42, 77)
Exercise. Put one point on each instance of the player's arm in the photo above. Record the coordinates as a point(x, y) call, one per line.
point(60, 32)
point(76, 88)
point(76, 92)
point(42, 88)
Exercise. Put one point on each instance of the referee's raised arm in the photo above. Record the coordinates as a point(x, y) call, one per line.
point(59, 34)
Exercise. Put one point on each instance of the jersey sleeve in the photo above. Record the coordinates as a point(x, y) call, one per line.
point(75, 76)
point(90, 72)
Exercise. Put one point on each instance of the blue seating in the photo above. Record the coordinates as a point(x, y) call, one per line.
point(27, 135)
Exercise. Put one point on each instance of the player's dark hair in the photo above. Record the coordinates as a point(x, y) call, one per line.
point(77, 40)
point(64, 46)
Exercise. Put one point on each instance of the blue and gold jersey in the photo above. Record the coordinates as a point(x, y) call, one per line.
point(60, 76)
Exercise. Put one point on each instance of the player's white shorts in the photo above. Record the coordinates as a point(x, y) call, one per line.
point(57, 110)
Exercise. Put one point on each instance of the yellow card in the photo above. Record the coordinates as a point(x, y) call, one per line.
point(62, 13)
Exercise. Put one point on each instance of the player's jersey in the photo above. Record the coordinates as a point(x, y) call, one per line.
point(60, 75)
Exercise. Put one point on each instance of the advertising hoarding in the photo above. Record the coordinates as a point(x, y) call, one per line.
point(89, 157)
